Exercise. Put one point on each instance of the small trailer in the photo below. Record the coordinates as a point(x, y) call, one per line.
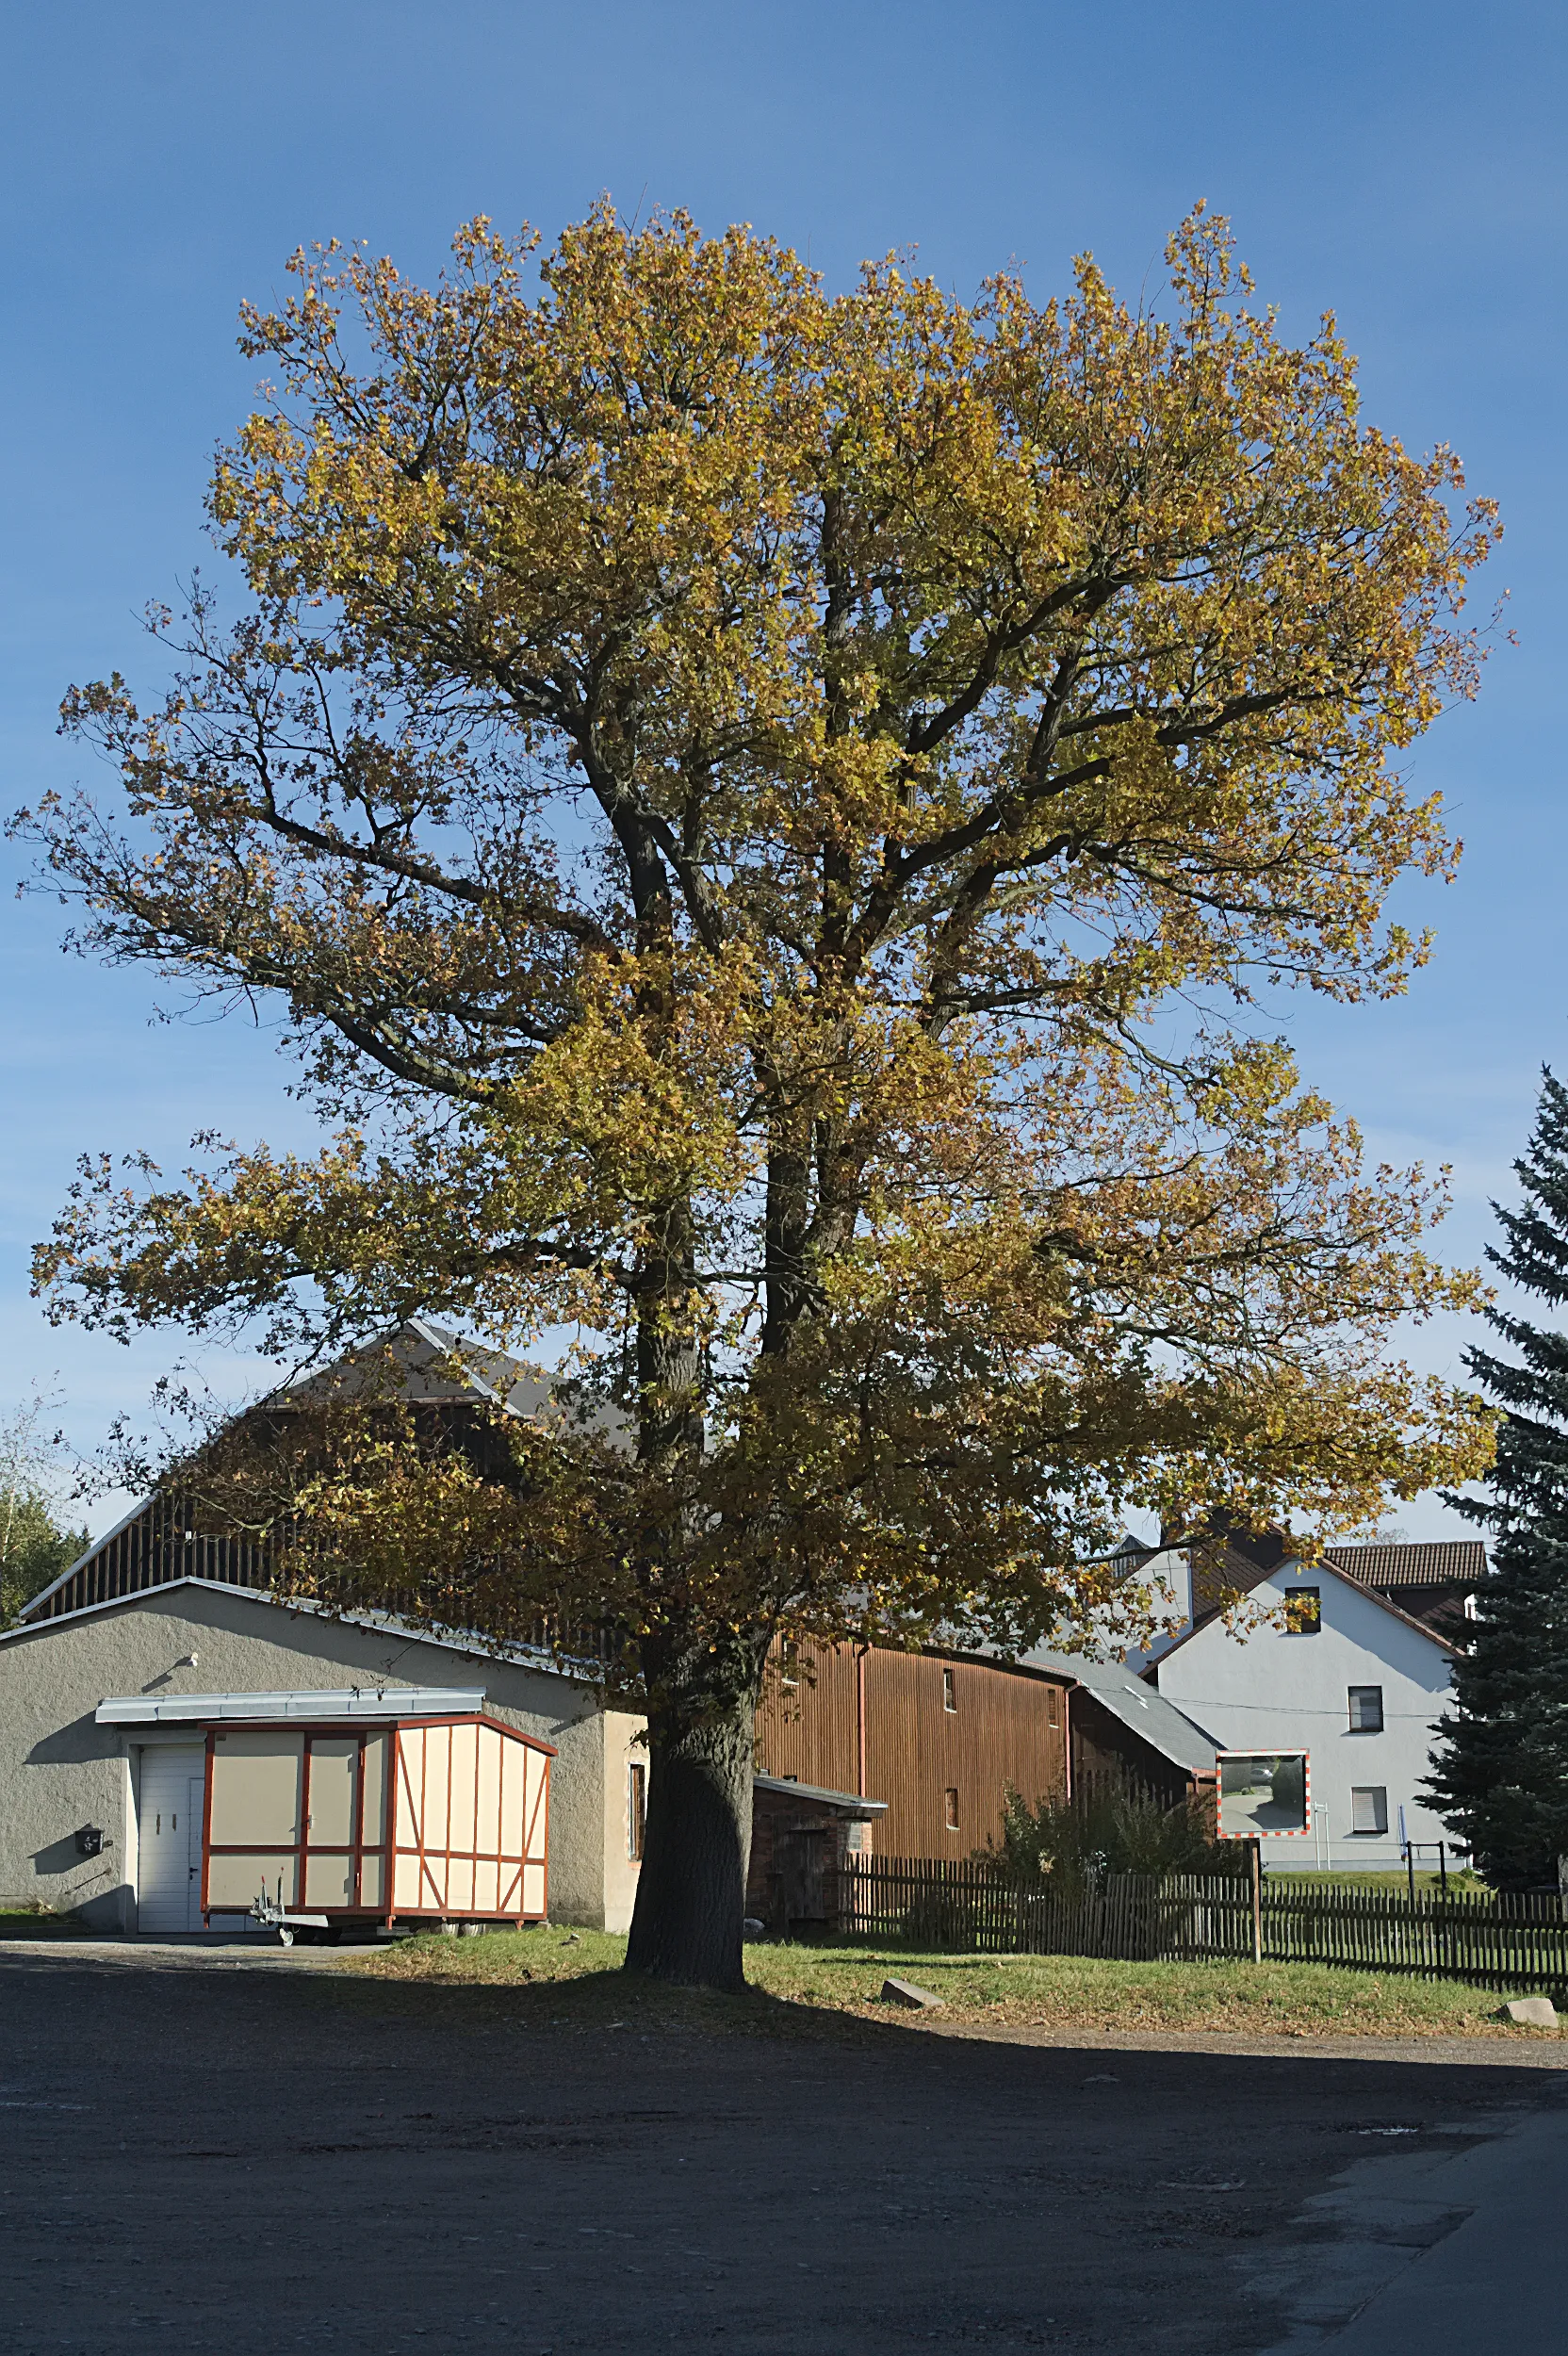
point(333, 1810)
point(274, 1915)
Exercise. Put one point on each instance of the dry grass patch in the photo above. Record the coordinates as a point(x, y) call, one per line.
point(576, 1979)
point(39, 1922)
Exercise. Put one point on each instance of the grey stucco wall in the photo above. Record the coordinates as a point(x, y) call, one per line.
point(60, 1770)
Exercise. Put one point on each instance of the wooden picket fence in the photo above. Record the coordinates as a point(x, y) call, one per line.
point(1503, 1942)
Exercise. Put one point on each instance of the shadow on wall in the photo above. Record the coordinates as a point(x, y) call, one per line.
point(65, 1857)
point(94, 1892)
point(72, 1745)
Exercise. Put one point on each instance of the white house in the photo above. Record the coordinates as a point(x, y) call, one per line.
point(1319, 1663)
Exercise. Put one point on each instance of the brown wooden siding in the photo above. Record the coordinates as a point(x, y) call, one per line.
point(916, 1750)
point(158, 1546)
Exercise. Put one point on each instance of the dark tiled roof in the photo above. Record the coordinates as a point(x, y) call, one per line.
point(1439, 1564)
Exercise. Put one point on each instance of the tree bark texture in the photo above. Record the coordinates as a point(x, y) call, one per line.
point(690, 1892)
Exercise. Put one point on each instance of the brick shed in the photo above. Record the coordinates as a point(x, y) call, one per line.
point(801, 1835)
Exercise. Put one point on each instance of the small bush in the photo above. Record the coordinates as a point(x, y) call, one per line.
point(931, 1918)
point(1114, 1826)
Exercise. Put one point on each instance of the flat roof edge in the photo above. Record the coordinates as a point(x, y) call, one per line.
point(849, 1803)
point(409, 1701)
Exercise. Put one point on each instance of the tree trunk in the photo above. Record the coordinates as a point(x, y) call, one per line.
point(690, 1892)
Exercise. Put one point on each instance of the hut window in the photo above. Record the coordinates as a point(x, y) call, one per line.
point(788, 1667)
point(636, 1809)
point(1367, 1709)
point(1052, 1706)
point(949, 1809)
point(950, 1698)
point(1370, 1807)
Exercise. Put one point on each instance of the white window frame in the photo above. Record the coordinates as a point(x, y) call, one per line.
point(1352, 1693)
point(1377, 1795)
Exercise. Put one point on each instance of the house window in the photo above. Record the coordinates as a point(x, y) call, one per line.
point(949, 1809)
point(636, 1809)
point(1368, 1807)
point(1304, 1611)
point(1367, 1709)
point(789, 1666)
point(1471, 1612)
point(950, 1698)
point(1052, 1706)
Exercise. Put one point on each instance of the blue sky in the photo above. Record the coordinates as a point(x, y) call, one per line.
point(1402, 165)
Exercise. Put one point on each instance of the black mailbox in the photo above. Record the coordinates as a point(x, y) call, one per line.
point(90, 1841)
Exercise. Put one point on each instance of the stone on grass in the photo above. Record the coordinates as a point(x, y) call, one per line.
point(906, 1992)
point(1530, 2012)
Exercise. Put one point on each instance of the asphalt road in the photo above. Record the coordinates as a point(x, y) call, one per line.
point(261, 2157)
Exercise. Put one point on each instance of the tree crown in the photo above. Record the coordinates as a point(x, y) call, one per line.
point(741, 791)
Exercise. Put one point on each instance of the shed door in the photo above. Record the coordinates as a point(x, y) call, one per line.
point(169, 1837)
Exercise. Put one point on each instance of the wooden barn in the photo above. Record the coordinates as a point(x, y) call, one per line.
point(939, 1737)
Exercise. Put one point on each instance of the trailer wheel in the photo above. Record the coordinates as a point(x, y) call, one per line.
point(285, 1939)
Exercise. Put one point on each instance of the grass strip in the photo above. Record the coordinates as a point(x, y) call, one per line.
point(581, 1970)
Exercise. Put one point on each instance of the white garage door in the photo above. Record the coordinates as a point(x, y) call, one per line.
point(169, 1882)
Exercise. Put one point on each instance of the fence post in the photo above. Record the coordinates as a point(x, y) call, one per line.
point(1256, 1847)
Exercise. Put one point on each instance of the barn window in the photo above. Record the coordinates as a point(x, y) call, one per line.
point(1370, 1807)
point(949, 1807)
point(1052, 1706)
point(1367, 1709)
point(1304, 1611)
point(950, 1696)
point(636, 1809)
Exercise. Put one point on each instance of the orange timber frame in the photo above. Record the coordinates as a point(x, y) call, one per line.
point(535, 1848)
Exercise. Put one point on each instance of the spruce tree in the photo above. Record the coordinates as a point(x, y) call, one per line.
point(1500, 1777)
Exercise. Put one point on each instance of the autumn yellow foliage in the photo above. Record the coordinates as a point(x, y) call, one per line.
point(780, 820)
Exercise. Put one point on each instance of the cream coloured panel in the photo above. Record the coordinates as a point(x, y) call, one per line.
point(333, 1775)
point(370, 1882)
point(510, 1810)
point(408, 1783)
point(460, 1885)
point(406, 1889)
point(465, 1752)
point(490, 1748)
point(377, 1752)
point(484, 1887)
point(534, 1822)
point(257, 1779)
point(437, 1746)
point(534, 1889)
point(329, 1880)
point(235, 1881)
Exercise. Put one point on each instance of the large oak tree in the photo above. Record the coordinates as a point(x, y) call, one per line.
point(774, 818)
